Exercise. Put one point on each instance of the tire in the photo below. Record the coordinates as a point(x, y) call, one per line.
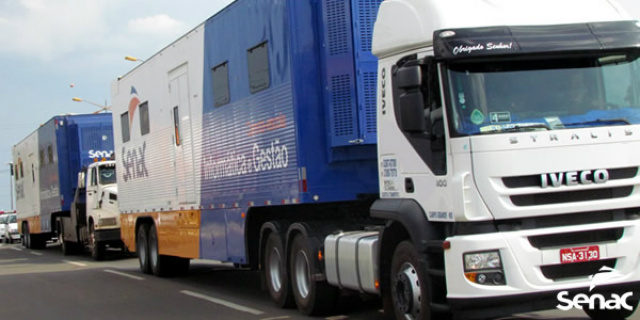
point(410, 290)
point(142, 248)
point(275, 271)
point(161, 266)
point(26, 236)
point(312, 297)
point(97, 248)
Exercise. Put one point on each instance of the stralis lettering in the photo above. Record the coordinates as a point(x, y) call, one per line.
point(262, 158)
point(134, 163)
point(574, 178)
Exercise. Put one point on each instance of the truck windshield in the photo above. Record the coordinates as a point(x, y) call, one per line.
point(545, 94)
point(12, 219)
point(107, 175)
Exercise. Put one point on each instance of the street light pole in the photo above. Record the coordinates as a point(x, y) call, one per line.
point(102, 108)
point(11, 183)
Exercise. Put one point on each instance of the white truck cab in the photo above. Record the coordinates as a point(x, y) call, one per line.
point(514, 126)
point(94, 219)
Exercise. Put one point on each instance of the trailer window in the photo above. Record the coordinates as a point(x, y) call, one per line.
point(176, 125)
point(258, 59)
point(144, 118)
point(42, 162)
point(124, 124)
point(50, 153)
point(220, 82)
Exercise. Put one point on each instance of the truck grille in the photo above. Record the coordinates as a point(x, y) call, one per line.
point(570, 196)
point(534, 180)
point(574, 270)
point(581, 269)
point(557, 197)
point(574, 238)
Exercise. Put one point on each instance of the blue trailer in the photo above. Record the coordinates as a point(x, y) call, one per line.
point(256, 127)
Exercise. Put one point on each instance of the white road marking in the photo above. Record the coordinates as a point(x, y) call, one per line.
point(276, 318)
point(223, 302)
point(35, 253)
point(75, 263)
point(124, 274)
point(16, 248)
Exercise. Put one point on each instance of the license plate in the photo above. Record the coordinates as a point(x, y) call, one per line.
point(579, 254)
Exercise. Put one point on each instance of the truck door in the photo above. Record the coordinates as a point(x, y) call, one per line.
point(183, 144)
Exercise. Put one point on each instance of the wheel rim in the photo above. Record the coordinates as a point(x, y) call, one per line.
point(407, 291)
point(275, 269)
point(302, 274)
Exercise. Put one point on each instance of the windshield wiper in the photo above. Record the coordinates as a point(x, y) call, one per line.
point(619, 121)
point(515, 127)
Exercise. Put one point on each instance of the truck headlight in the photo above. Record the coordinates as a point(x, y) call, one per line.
point(484, 268)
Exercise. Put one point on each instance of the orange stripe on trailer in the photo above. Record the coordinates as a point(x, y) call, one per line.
point(178, 231)
point(33, 222)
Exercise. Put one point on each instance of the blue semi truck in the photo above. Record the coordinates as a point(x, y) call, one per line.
point(48, 165)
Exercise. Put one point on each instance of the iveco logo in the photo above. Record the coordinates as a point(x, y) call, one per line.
point(574, 178)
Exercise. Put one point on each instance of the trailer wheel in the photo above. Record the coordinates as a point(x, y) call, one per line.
point(409, 288)
point(275, 269)
point(142, 247)
point(26, 236)
point(312, 297)
point(161, 266)
point(97, 247)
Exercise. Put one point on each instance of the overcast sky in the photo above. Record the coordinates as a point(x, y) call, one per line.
point(54, 50)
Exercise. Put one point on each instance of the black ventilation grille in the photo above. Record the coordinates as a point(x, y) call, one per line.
point(538, 199)
point(535, 180)
point(575, 270)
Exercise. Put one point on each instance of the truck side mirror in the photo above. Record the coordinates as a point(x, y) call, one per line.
point(409, 80)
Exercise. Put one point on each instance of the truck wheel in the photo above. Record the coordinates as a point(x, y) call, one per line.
point(97, 247)
point(161, 265)
point(65, 247)
point(142, 247)
point(312, 297)
point(26, 236)
point(276, 272)
point(409, 288)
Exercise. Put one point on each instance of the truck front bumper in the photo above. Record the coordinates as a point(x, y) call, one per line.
point(535, 274)
point(108, 235)
point(483, 308)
